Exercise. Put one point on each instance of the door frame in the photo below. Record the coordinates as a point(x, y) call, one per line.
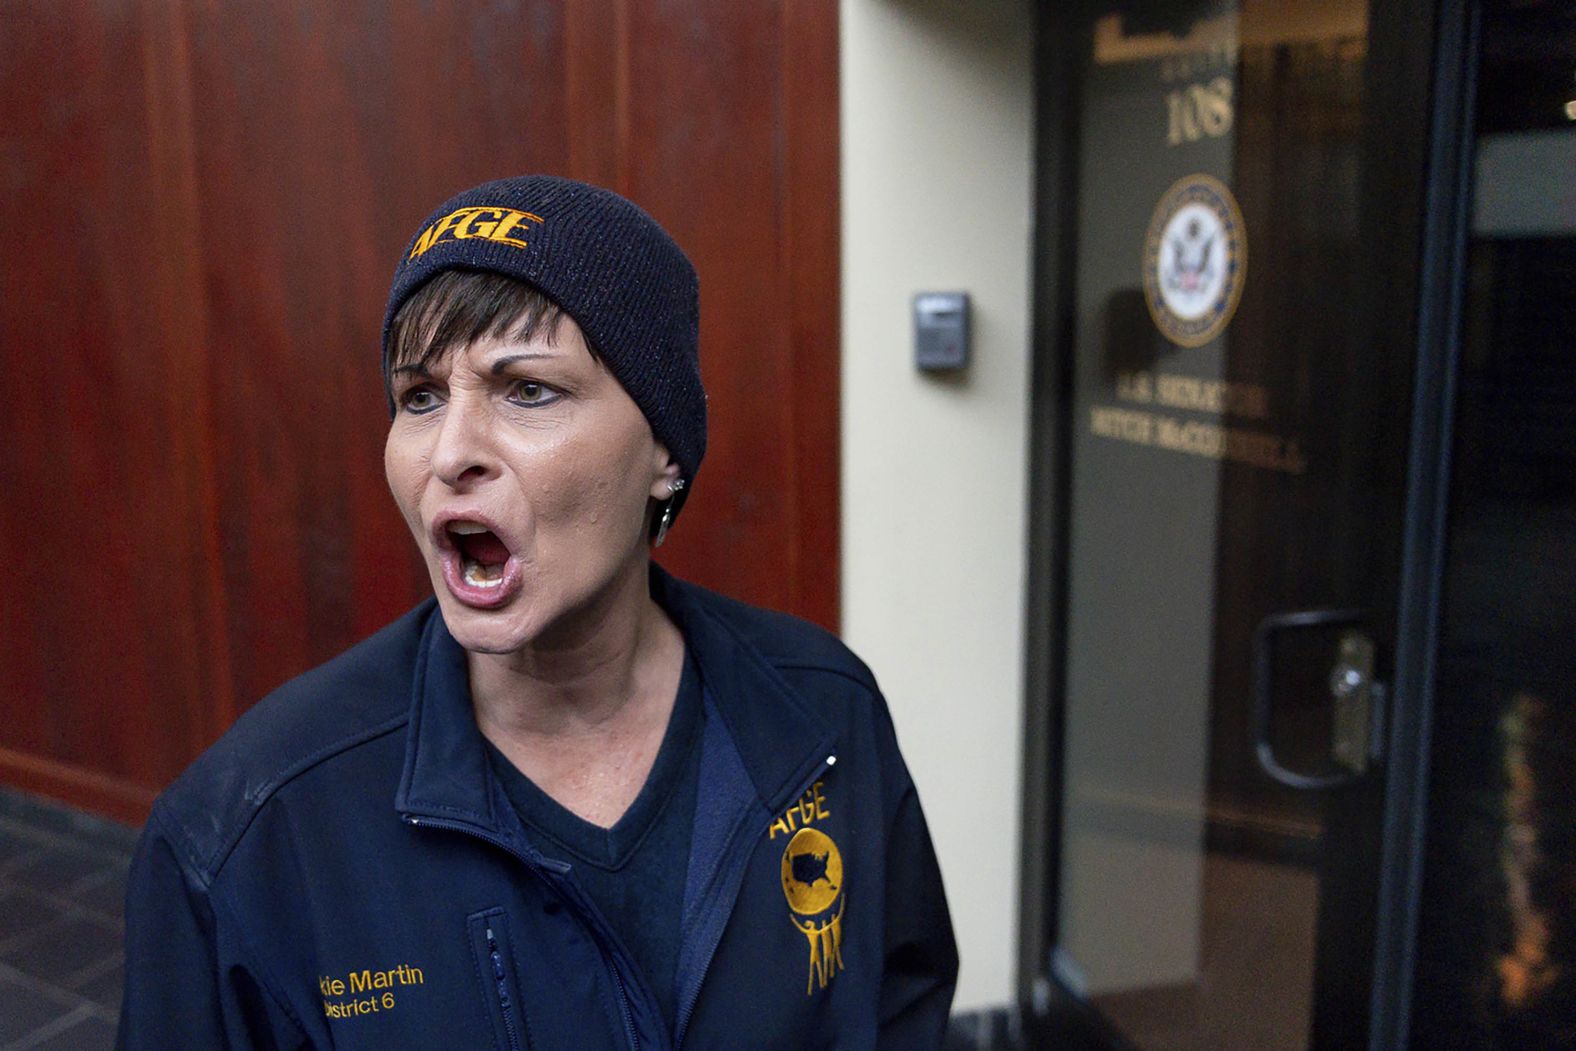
point(1429, 89)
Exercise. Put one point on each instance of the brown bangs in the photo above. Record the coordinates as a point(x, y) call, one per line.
point(458, 307)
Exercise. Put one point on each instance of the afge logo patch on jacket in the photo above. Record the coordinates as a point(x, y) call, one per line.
point(812, 875)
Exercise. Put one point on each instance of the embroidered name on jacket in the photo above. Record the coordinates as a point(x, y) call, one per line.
point(812, 879)
point(503, 225)
point(366, 991)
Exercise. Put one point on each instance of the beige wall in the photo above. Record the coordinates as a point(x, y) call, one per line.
point(937, 143)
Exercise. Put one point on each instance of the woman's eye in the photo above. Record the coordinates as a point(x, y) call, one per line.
point(419, 400)
point(529, 392)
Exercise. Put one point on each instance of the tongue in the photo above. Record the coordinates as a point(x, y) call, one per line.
point(485, 548)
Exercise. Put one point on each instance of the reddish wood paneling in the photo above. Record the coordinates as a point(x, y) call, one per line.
point(203, 202)
point(111, 665)
point(810, 252)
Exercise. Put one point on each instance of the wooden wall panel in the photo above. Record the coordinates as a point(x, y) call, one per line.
point(203, 203)
point(708, 120)
point(810, 191)
point(104, 516)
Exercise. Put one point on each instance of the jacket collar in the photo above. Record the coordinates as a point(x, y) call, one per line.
point(447, 774)
point(780, 742)
point(779, 739)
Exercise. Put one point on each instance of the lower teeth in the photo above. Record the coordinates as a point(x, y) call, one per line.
point(478, 575)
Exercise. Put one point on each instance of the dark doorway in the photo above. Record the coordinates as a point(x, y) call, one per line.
point(1497, 938)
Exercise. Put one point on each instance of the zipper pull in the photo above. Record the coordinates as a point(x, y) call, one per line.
point(497, 966)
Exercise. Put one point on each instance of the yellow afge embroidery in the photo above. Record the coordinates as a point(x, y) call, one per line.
point(812, 879)
point(504, 225)
point(807, 811)
point(366, 991)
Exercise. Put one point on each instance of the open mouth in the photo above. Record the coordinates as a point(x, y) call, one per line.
point(483, 557)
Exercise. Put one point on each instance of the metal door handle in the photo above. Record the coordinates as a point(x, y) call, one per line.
point(1356, 697)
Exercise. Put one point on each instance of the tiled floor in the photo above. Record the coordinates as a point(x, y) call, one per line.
point(62, 877)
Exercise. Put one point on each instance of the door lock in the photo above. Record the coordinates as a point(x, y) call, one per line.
point(1356, 698)
point(1353, 690)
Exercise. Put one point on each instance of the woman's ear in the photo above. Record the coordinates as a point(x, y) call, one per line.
point(667, 476)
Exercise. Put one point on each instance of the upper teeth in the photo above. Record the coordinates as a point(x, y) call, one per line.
point(466, 528)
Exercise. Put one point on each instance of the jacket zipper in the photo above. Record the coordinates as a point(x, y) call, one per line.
point(536, 864)
point(500, 977)
point(687, 1008)
point(623, 1005)
point(611, 952)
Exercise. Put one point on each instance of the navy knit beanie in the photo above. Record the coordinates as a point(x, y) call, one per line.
point(606, 263)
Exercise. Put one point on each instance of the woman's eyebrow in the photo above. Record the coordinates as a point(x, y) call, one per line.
point(509, 359)
point(400, 370)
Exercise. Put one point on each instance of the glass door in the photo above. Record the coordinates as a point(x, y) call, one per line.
point(1496, 961)
point(1240, 235)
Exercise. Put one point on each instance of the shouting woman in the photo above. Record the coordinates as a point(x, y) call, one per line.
point(570, 802)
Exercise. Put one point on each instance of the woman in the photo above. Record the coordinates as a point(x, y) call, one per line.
point(571, 802)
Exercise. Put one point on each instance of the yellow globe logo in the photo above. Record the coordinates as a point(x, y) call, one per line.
point(812, 872)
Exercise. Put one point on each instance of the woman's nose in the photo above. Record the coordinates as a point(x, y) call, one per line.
point(462, 454)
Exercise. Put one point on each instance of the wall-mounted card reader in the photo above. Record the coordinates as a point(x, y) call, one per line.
point(941, 330)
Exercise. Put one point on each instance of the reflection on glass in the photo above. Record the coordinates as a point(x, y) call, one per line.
point(1497, 948)
point(1223, 409)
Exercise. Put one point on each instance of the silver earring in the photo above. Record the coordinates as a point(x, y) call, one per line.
point(667, 511)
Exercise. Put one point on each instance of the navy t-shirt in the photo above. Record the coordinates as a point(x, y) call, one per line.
point(634, 872)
